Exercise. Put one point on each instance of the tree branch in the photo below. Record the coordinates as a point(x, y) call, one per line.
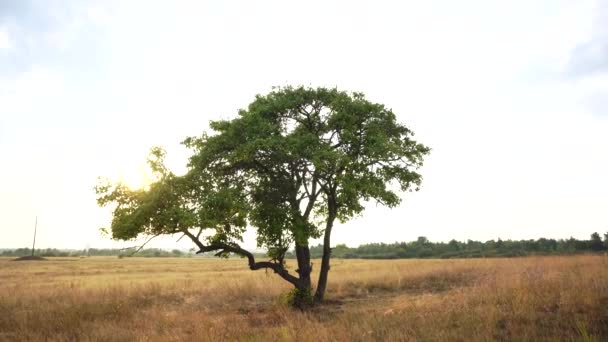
point(312, 198)
point(140, 247)
point(278, 268)
point(305, 171)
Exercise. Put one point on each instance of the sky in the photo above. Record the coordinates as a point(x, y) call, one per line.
point(512, 97)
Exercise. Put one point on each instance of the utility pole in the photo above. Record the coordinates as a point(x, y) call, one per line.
point(35, 228)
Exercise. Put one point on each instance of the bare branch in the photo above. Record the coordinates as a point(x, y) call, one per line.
point(140, 247)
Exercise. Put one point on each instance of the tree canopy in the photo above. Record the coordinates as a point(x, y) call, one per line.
point(289, 165)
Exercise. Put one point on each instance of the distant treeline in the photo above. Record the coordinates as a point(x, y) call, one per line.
point(53, 252)
point(423, 248)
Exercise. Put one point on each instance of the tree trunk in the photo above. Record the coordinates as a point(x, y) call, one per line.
point(322, 284)
point(304, 265)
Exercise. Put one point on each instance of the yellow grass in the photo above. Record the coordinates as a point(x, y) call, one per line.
point(111, 299)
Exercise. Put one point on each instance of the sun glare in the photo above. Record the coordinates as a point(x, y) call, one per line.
point(135, 179)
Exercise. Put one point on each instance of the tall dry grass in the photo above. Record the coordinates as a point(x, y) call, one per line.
point(109, 299)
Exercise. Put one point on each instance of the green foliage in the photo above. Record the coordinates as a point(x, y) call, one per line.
point(174, 204)
point(298, 298)
point(278, 166)
point(296, 150)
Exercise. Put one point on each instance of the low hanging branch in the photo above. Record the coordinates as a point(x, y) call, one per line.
point(277, 267)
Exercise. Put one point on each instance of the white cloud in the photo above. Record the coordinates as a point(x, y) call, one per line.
point(590, 56)
point(587, 66)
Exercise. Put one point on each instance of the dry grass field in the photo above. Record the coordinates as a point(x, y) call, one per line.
point(111, 299)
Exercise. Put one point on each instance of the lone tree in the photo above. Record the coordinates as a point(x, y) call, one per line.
point(289, 165)
point(596, 243)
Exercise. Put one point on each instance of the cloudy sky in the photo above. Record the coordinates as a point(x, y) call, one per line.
point(511, 95)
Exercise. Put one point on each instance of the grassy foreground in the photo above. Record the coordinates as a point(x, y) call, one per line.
point(111, 299)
